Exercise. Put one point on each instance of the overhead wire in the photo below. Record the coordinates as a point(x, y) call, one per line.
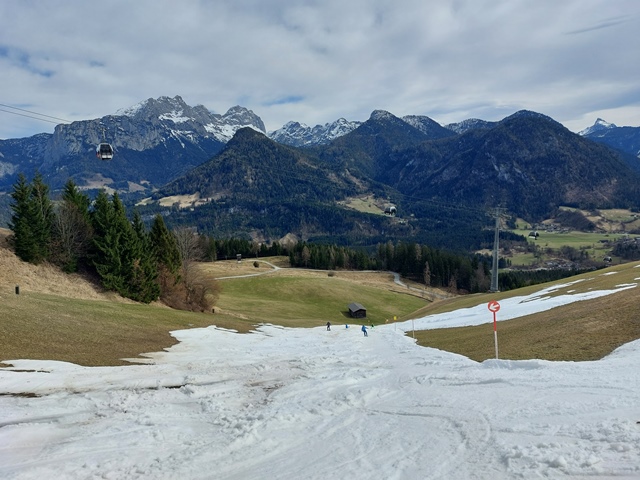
point(32, 113)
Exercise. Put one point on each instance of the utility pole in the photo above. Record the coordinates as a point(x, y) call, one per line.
point(494, 269)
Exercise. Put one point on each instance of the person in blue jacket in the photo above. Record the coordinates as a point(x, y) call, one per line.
point(364, 330)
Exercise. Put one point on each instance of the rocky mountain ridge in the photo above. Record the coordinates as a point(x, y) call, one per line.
point(159, 140)
point(154, 141)
point(442, 188)
point(301, 135)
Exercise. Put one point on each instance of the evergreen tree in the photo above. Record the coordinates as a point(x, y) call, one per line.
point(72, 195)
point(107, 244)
point(23, 240)
point(142, 269)
point(42, 226)
point(32, 219)
point(164, 246)
point(122, 251)
point(128, 247)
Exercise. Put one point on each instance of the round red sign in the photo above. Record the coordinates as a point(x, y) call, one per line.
point(493, 306)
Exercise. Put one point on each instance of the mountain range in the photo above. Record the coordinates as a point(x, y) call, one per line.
point(301, 180)
point(154, 141)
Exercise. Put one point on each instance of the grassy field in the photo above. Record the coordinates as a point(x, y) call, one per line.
point(586, 330)
point(301, 301)
point(592, 243)
point(87, 332)
point(612, 225)
point(366, 204)
point(101, 331)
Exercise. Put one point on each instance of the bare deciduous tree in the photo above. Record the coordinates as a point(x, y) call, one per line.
point(71, 236)
point(197, 290)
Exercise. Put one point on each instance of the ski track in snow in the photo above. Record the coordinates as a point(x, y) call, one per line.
point(311, 404)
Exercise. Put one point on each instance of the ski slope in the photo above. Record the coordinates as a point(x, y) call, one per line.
point(314, 404)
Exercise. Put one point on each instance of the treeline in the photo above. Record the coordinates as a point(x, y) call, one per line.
point(226, 249)
point(75, 233)
point(433, 267)
point(513, 279)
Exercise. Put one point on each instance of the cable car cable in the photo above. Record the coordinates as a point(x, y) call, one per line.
point(33, 113)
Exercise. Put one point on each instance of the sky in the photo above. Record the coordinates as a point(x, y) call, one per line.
point(316, 61)
point(309, 403)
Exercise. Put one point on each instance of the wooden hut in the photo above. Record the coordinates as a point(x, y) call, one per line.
point(357, 311)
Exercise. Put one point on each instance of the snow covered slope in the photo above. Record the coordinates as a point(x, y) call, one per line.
point(314, 404)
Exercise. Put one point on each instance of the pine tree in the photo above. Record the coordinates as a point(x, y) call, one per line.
point(42, 219)
point(122, 251)
point(141, 269)
point(32, 219)
point(128, 248)
point(164, 246)
point(72, 195)
point(23, 241)
point(106, 253)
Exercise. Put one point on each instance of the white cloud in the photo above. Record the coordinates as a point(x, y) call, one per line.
point(450, 60)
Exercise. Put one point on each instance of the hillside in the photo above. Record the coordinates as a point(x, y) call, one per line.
point(528, 163)
point(44, 278)
point(378, 406)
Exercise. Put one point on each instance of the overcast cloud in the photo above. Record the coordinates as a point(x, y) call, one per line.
point(316, 61)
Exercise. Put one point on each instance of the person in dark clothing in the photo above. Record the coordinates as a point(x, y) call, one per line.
point(328, 326)
point(364, 330)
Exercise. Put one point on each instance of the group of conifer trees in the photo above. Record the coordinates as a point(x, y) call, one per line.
point(78, 234)
point(434, 267)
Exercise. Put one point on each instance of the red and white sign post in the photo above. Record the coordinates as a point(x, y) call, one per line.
point(493, 307)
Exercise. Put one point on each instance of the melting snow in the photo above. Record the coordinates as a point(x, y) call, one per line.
point(314, 404)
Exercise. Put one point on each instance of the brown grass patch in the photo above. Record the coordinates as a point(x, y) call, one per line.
point(580, 331)
point(86, 332)
point(46, 278)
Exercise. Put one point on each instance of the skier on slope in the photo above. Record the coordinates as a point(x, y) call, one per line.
point(364, 330)
point(328, 326)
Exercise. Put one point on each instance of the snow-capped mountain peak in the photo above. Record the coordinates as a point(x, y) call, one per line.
point(598, 126)
point(381, 115)
point(301, 135)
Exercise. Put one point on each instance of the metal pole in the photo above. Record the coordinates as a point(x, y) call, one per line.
point(495, 333)
point(494, 269)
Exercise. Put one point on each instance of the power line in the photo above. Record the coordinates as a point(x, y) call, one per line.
point(32, 114)
point(29, 116)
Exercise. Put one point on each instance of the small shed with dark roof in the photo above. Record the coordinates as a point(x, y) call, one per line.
point(357, 311)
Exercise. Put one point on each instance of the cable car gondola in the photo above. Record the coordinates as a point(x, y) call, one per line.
point(104, 151)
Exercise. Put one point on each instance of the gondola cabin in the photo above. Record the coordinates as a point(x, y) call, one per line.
point(104, 151)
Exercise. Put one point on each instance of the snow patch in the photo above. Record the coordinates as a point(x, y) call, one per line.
point(316, 404)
